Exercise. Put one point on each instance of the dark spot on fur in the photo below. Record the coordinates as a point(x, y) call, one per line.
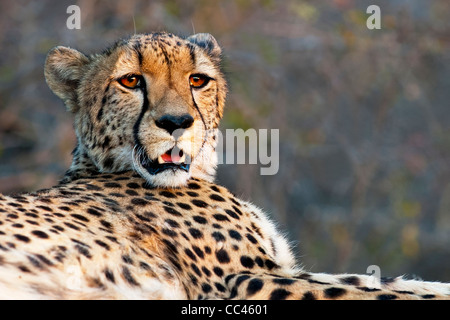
point(366, 289)
point(40, 234)
point(222, 256)
point(218, 271)
point(72, 226)
point(387, 297)
point(259, 261)
point(196, 269)
point(109, 275)
point(45, 208)
point(199, 203)
point(127, 259)
point(404, 292)
point(168, 194)
point(24, 269)
point(108, 163)
point(206, 288)
point(44, 259)
point(94, 212)
point(112, 185)
point(251, 238)
point(351, 280)
point(254, 286)
point(235, 235)
point(80, 217)
point(190, 254)
point(22, 238)
point(216, 197)
point(92, 187)
point(220, 287)
point(128, 277)
point(198, 252)
point(333, 292)
point(106, 224)
point(193, 186)
point(318, 282)
point(206, 272)
point(83, 250)
point(232, 214)
point(142, 218)
point(35, 262)
point(139, 202)
point(241, 279)
point(169, 232)
point(229, 277)
point(184, 206)
point(106, 142)
point(195, 233)
point(283, 281)
point(237, 210)
point(102, 244)
point(279, 294)
point(172, 223)
point(200, 219)
point(270, 264)
point(133, 185)
point(247, 262)
point(308, 296)
point(131, 192)
point(218, 236)
point(220, 217)
point(387, 280)
point(172, 211)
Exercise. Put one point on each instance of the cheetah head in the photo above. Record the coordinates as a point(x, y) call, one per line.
point(150, 103)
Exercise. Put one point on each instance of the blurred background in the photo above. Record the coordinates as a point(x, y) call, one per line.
point(364, 115)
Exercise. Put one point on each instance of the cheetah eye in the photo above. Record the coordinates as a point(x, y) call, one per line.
point(130, 81)
point(198, 81)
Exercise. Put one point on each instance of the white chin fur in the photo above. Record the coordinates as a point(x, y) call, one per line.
point(167, 178)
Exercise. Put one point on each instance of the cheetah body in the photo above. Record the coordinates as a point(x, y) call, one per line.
point(131, 221)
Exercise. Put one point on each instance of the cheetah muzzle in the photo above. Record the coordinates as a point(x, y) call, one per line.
point(174, 159)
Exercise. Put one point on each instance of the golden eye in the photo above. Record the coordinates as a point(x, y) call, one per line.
point(198, 80)
point(131, 81)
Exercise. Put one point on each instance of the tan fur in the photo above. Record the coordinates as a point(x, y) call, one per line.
point(170, 235)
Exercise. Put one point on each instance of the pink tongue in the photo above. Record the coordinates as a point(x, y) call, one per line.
point(168, 157)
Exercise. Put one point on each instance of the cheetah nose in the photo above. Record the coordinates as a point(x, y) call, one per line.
point(171, 123)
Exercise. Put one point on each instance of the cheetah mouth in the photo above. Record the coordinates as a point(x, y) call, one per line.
point(173, 159)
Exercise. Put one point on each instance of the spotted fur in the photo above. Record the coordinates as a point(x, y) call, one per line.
point(113, 230)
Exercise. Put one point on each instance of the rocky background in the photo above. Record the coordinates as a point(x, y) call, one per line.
point(364, 115)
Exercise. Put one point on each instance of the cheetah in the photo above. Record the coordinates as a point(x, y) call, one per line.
point(137, 215)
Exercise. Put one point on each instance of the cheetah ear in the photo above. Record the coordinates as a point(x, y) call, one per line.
point(64, 68)
point(208, 43)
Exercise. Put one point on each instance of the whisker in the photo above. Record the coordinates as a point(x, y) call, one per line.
point(136, 155)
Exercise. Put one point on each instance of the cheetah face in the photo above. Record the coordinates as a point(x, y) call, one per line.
point(151, 103)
